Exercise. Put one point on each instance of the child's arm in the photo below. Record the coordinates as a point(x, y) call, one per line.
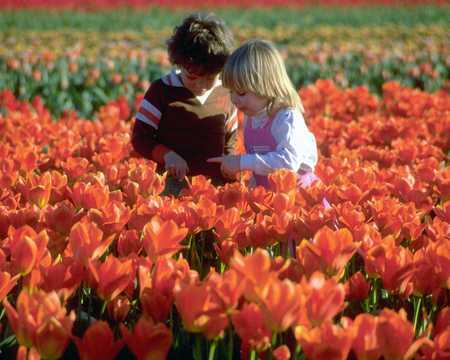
point(296, 147)
point(146, 124)
point(231, 127)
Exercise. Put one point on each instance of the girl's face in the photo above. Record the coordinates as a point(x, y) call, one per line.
point(248, 102)
point(197, 84)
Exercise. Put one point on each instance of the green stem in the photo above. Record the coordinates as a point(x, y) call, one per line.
point(102, 311)
point(253, 354)
point(212, 350)
point(417, 308)
point(197, 347)
point(230, 343)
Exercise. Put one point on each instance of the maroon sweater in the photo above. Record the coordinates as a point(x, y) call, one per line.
point(171, 118)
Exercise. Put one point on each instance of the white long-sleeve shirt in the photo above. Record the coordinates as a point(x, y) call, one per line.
point(296, 146)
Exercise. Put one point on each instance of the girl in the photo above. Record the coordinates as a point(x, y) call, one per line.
point(275, 133)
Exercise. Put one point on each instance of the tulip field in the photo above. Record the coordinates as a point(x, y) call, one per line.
point(97, 262)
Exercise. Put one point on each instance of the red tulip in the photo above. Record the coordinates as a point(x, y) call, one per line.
point(250, 326)
point(98, 337)
point(148, 340)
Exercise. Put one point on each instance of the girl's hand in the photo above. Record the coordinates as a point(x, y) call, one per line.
point(175, 165)
point(230, 164)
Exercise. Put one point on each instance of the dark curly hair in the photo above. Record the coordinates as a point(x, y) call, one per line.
point(202, 44)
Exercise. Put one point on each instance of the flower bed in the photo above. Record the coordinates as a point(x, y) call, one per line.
point(93, 255)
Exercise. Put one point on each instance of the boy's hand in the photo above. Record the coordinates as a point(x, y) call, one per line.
point(230, 164)
point(175, 165)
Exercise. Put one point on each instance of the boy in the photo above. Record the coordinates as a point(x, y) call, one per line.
point(186, 116)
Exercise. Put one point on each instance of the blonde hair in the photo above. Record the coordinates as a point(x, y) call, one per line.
point(257, 67)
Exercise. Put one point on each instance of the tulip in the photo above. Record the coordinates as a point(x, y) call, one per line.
point(395, 334)
point(162, 238)
point(40, 320)
point(111, 277)
point(357, 288)
point(366, 344)
point(326, 342)
point(250, 326)
point(98, 337)
point(7, 282)
point(201, 310)
point(86, 241)
point(148, 340)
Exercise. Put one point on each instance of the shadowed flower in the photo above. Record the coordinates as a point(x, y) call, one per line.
point(98, 337)
point(148, 340)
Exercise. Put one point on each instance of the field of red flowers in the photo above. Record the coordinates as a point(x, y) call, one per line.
point(94, 256)
point(97, 262)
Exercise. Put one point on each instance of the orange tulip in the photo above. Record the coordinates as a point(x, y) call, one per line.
point(148, 340)
point(255, 270)
point(28, 249)
point(40, 320)
point(9, 172)
point(76, 167)
point(7, 282)
point(283, 181)
point(323, 299)
point(282, 202)
point(350, 215)
point(366, 344)
point(61, 216)
point(228, 223)
point(228, 288)
point(39, 192)
point(280, 304)
point(201, 310)
point(111, 218)
point(86, 241)
point(328, 252)
point(232, 196)
point(169, 274)
point(162, 238)
point(98, 337)
point(111, 277)
point(23, 255)
point(327, 342)
point(394, 264)
point(58, 277)
point(129, 243)
point(395, 334)
point(198, 186)
point(87, 195)
point(250, 326)
point(148, 180)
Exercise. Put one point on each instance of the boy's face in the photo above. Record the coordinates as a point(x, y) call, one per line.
point(197, 83)
point(248, 102)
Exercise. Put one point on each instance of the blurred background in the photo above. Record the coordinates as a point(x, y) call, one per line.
point(81, 54)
